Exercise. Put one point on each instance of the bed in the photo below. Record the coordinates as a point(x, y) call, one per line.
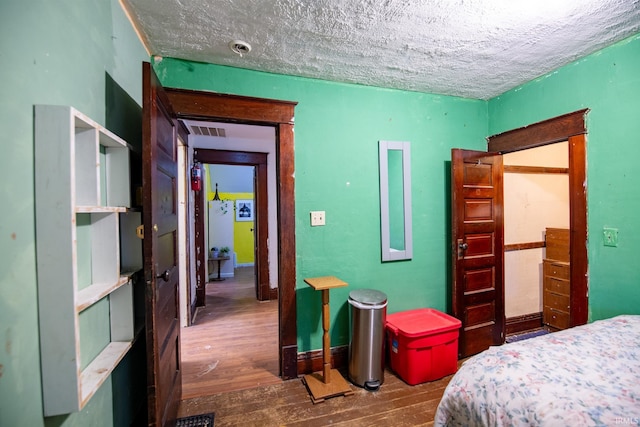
point(583, 376)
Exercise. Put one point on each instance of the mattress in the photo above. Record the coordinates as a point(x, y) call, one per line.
point(583, 376)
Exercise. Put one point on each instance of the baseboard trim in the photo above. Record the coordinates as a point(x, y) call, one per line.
point(527, 322)
point(312, 361)
point(245, 264)
point(288, 356)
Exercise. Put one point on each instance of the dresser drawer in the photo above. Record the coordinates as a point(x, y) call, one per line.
point(556, 301)
point(558, 286)
point(555, 318)
point(560, 270)
point(557, 244)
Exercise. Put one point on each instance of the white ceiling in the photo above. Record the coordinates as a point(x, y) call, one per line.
point(469, 48)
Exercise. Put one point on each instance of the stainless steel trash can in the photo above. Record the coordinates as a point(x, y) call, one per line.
point(366, 346)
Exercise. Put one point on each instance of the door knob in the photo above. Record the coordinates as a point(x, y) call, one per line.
point(164, 276)
point(462, 246)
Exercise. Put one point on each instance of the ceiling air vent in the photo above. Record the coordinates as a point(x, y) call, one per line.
point(209, 131)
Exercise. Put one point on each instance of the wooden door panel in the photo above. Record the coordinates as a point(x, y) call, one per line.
point(481, 314)
point(167, 312)
point(482, 339)
point(480, 245)
point(477, 175)
point(159, 164)
point(478, 210)
point(477, 249)
point(167, 257)
point(164, 197)
point(167, 371)
point(479, 280)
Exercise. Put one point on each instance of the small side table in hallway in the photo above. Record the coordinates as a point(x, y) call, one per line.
point(219, 259)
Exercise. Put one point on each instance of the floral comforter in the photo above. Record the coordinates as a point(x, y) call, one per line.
point(583, 376)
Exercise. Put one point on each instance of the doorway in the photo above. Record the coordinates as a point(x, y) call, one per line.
point(259, 227)
point(231, 220)
point(232, 342)
point(161, 130)
point(208, 106)
point(478, 288)
point(536, 203)
point(572, 128)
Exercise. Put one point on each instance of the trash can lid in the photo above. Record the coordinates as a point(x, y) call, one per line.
point(368, 296)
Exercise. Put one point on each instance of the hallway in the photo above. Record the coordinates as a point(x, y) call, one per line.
point(233, 343)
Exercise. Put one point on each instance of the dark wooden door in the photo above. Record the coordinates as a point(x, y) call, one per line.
point(159, 158)
point(477, 248)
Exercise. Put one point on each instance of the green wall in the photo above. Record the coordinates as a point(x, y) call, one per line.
point(337, 129)
point(70, 52)
point(608, 83)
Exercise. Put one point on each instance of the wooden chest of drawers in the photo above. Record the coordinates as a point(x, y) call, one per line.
point(556, 294)
point(556, 282)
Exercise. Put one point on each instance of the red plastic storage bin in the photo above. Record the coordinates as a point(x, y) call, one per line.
point(423, 344)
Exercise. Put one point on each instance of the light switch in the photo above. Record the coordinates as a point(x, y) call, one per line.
point(317, 218)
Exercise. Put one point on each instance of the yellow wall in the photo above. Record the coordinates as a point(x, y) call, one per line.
point(243, 235)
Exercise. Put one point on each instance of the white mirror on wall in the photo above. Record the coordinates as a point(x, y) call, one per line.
point(395, 200)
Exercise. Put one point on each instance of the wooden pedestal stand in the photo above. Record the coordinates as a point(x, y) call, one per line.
point(330, 383)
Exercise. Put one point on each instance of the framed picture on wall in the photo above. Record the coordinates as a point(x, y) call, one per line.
point(244, 210)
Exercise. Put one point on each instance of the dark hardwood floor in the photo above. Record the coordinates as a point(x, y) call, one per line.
point(230, 368)
point(288, 404)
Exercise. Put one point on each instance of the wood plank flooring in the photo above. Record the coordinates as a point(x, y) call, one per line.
point(233, 343)
point(230, 367)
point(288, 404)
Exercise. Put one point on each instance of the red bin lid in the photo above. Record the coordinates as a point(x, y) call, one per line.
point(422, 321)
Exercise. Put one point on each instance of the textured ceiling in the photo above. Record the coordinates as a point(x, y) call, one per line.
point(469, 48)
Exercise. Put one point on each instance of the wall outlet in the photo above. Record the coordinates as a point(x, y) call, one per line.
point(317, 218)
point(610, 236)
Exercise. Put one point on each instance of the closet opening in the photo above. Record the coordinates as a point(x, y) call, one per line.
point(536, 233)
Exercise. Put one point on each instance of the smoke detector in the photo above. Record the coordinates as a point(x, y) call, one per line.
point(239, 47)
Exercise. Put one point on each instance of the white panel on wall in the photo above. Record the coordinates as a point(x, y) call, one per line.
point(523, 280)
point(532, 203)
point(221, 233)
point(552, 155)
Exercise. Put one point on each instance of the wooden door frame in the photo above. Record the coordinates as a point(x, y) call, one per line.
point(210, 106)
point(259, 161)
point(568, 127)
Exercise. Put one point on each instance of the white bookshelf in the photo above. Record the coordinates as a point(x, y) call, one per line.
point(87, 250)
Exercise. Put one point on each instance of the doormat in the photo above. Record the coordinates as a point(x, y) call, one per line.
point(205, 420)
point(526, 335)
